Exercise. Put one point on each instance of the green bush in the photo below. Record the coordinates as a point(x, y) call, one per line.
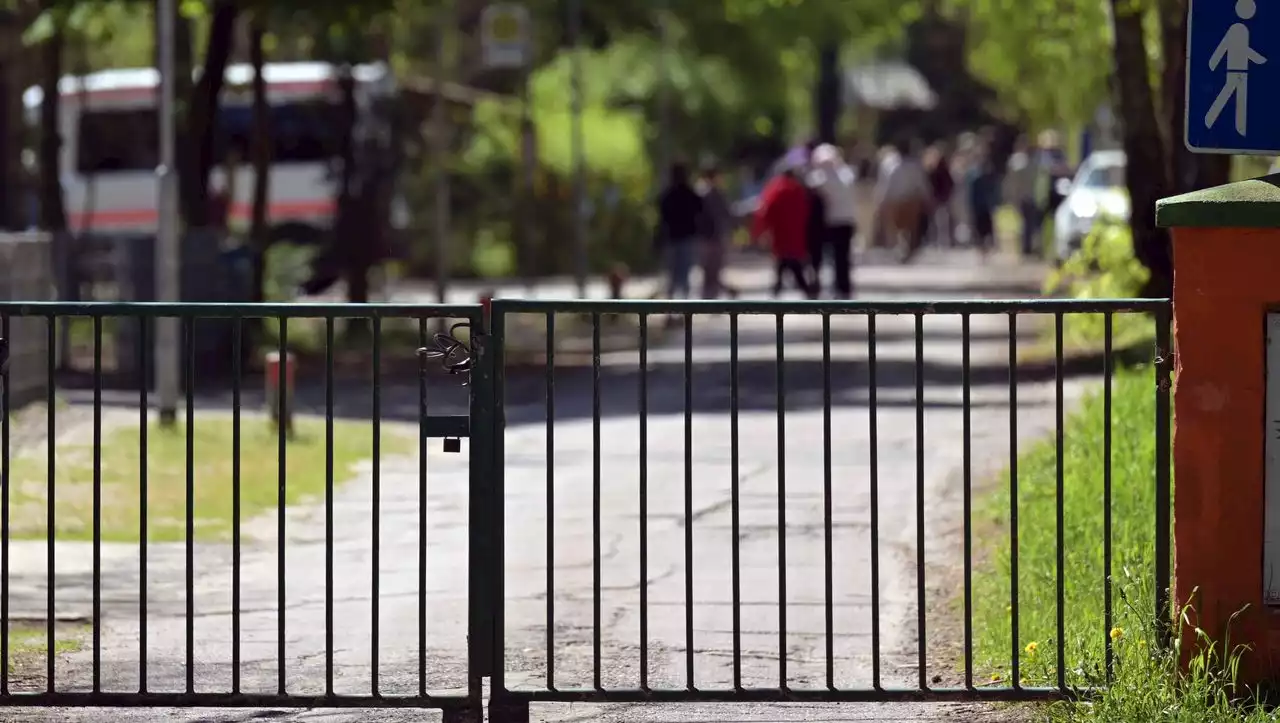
point(1104, 267)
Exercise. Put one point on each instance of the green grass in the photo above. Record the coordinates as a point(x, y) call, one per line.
point(28, 643)
point(1133, 537)
point(305, 462)
point(1146, 686)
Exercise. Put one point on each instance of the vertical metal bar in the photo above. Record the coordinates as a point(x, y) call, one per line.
point(735, 505)
point(1059, 507)
point(189, 356)
point(1164, 369)
point(375, 523)
point(6, 339)
point(874, 482)
point(780, 369)
point(97, 503)
point(922, 602)
point(827, 514)
point(237, 372)
point(551, 500)
point(422, 512)
point(690, 680)
point(281, 471)
point(329, 342)
point(644, 502)
point(1013, 499)
point(1107, 330)
point(51, 521)
point(488, 501)
point(144, 369)
point(967, 383)
point(596, 593)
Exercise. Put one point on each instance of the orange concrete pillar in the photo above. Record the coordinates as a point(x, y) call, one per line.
point(1226, 254)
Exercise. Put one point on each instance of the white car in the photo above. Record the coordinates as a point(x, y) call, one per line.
point(1098, 189)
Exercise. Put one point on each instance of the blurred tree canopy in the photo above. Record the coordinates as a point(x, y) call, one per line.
point(721, 75)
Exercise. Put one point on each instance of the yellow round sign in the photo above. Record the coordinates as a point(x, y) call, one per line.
point(505, 27)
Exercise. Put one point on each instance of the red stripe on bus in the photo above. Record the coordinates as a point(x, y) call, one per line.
point(140, 216)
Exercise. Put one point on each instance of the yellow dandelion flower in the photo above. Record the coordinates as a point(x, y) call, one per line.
point(1117, 633)
point(1022, 682)
point(1031, 648)
point(995, 677)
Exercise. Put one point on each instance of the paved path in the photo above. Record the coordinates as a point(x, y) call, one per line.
point(761, 474)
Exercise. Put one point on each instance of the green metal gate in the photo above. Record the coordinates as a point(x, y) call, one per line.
point(491, 375)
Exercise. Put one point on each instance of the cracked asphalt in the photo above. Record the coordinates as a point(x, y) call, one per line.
point(689, 466)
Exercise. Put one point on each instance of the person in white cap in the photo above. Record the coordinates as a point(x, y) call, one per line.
point(834, 180)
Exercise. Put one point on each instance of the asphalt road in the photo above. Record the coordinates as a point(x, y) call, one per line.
point(780, 471)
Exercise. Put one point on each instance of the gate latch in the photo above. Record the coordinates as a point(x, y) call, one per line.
point(452, 427)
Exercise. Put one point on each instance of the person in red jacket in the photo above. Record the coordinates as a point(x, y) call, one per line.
point(784, 215)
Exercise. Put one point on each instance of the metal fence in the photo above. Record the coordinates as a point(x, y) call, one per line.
point(697, 501)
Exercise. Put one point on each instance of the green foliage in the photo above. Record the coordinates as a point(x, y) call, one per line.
point(1150, 686)
point(1104, 267)
point(1049, 61)
point(616, 168)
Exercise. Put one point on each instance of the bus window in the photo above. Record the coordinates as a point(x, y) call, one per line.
point(127, 140)
point(117, 140)
point(301, 132)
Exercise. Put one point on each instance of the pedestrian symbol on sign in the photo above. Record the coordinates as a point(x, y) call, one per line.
point(1235, 47)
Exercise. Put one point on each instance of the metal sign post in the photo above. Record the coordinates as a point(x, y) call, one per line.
point(441, 146)
point(578, 150)
point(506, 42)
point(168, 267)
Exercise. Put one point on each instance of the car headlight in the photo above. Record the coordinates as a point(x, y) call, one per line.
point(1084, 208)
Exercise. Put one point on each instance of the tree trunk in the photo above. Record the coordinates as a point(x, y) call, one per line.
point(11, 121)
point(53, 212)
point(259, 231)
point(347, 238)
point(827, 101)
point(1187, 171)
point(1147, 172)
point(201, 115)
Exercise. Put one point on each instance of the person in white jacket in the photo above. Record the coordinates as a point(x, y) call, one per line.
point(834, 180)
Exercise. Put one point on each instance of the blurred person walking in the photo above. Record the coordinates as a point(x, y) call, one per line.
point(834, 182)
point(680, 224)
point(903, 196)
point(983, 187)
point(1024, 187)
point(783, 216)
point(942, 220)
point(718, 225)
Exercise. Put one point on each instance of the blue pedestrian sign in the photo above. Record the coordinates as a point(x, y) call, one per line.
point(1233, 77)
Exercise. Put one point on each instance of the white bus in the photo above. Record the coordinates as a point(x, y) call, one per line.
point(110, 143)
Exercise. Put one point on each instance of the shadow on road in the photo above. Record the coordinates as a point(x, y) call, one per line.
point(709, 389)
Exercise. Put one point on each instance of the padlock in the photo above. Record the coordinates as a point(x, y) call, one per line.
point(452, 445)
